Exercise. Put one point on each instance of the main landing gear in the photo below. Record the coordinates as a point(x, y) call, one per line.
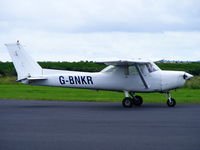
point(129, 102)
point(170, 101)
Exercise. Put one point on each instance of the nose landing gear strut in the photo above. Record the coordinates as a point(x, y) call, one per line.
point(171, 102)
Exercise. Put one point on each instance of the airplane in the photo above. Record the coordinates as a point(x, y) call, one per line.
point(127, 76)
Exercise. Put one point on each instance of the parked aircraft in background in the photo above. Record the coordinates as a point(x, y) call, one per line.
point(130, 77)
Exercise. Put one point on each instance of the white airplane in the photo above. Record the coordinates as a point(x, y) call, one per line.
point(129, 77)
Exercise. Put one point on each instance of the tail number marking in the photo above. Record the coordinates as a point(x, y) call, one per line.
point(76, 80)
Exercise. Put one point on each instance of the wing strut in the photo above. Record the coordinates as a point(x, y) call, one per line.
point(142, 77)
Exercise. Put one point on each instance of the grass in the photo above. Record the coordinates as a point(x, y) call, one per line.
point(8, 80)
point(193, 83)
point(28, 92)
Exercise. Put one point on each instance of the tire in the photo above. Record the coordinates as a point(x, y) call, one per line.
point(172, 103)
point(127, 102)
point(137, 100)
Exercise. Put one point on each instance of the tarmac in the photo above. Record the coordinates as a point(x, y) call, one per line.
point(55, 125)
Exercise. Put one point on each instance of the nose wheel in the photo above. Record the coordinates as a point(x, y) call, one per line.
point(171, 102)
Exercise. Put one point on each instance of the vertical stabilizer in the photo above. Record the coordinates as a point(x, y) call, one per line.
point(24, 64)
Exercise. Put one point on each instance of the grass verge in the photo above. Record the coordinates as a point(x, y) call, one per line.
point(28, 92)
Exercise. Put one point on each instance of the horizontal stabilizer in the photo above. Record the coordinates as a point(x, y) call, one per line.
point(33, 78)
point(36, 78)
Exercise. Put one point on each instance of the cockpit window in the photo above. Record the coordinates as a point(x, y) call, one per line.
point(132, 70)
point(152, 67)
point(144, 68)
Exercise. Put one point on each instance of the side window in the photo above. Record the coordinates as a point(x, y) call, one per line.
point(132, 70)
point(109, 69)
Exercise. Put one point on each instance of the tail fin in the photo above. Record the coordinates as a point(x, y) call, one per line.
point(24, 64)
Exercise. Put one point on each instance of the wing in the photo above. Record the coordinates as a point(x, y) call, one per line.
point(125, 62)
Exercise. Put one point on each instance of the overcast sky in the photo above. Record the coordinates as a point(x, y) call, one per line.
point(66, 30)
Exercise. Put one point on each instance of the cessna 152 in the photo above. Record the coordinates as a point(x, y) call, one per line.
point(130, 77)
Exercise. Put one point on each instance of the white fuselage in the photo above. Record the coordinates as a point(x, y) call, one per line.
point(157, 81)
